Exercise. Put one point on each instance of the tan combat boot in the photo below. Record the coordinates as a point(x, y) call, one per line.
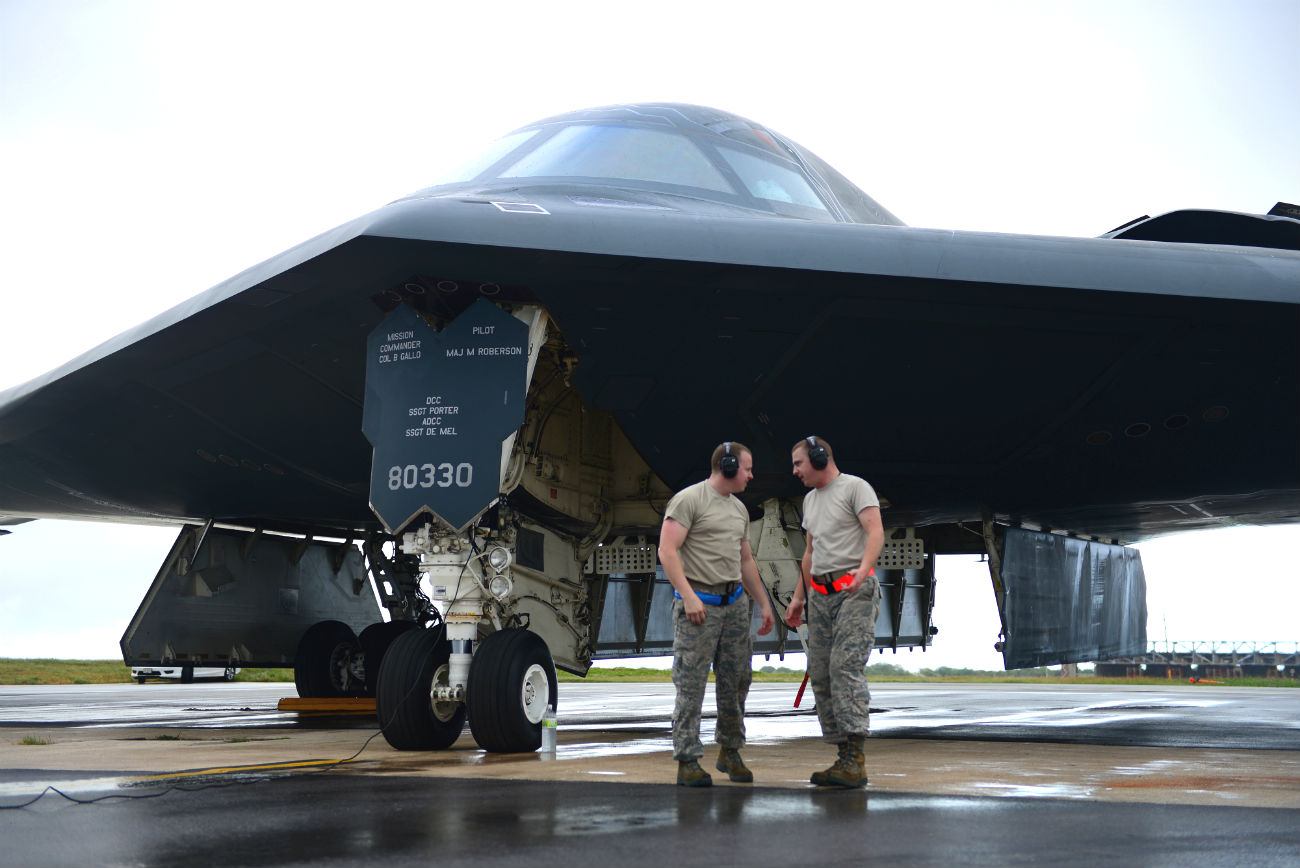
point(729, 761)
point(689, 774)
point(851, 769)
point(822, 778)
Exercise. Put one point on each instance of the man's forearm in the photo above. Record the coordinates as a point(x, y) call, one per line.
point(672, 565)
point(801, 589)
point(753, 583)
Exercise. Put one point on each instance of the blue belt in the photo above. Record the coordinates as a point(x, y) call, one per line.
point(716, 599)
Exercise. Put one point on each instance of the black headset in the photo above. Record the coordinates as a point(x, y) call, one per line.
point(818, 457)
point(729, 464)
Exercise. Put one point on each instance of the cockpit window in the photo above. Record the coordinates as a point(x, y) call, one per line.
point(747, 134)
point(860, 207)
point(686, 151)
point(767, 179)
point(484, 161)
point(627, 153)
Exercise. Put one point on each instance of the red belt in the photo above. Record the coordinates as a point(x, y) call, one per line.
point(834, 586)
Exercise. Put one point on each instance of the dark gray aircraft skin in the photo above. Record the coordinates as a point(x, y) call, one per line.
point(681, 276)
point(1114, 387)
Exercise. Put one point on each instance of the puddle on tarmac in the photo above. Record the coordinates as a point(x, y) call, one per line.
point(1044, 791)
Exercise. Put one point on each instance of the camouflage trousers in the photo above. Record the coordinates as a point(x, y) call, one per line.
point(841, 631)
point(724, 642)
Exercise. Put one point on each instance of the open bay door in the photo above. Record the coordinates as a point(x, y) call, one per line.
point(1065, 599)
point(244, 599)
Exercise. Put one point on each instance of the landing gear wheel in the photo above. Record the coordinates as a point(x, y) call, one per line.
point(187, 673)
point(410, 718)
point(375, 642)
point(229, 674)
point(326, 662)
point(511, 681)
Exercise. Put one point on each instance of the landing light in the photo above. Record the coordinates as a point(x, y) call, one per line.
point(500, 587)
point(499, 558)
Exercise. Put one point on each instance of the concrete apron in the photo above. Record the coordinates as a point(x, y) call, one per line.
point(106, 757)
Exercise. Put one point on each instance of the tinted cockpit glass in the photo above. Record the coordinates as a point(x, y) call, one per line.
point(768, 179)
point(627, 153)
point(481, 162)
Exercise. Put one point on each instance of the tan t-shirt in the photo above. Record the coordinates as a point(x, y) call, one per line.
point(715, 526)
point(830, 514)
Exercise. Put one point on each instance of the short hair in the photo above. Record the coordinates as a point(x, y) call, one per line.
point(803, 444)
point(737, 449)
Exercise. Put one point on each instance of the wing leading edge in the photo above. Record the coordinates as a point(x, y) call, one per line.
point(1119, 386)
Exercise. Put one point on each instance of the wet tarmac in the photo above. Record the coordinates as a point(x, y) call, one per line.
point(216, 774)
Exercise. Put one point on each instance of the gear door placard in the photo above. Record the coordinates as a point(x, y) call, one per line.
point(437, 407)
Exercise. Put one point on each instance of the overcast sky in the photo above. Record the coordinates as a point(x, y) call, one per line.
point(151, 150)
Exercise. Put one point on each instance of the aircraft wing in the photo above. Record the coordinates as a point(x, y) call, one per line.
point(1114, 386)
point(672, 277)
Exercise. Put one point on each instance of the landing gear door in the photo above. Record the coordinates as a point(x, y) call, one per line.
point(231, 597)
point(1070, 600)
point(438, 406)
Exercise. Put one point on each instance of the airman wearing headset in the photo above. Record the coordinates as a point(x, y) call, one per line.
point(841, 520)
point(704, 550)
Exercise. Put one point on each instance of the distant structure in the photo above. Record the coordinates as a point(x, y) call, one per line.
point(1209, 660)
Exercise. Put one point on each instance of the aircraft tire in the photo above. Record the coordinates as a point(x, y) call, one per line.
point(187, 673)
point(511, 681)
point(375, 641)
point(319, 664)
point(408, 717)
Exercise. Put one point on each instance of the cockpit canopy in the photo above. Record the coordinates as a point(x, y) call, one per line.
point(665, 155)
